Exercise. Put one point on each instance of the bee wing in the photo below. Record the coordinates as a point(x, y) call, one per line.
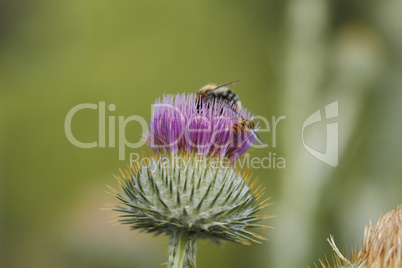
point(227, 84)
point(258, 138)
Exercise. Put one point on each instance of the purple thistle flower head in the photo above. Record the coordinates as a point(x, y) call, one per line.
point(188, 190)
point(185, 123)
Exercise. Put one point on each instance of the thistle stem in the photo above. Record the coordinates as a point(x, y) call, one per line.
point(182, 250)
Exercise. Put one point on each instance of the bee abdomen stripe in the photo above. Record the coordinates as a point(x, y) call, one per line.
point(236, 128)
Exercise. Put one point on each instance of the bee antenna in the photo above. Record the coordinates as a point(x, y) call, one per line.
point(227, 84)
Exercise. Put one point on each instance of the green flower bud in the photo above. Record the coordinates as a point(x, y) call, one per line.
point(187, 197)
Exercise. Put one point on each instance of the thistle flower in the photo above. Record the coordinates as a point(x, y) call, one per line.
point(190, 188)
point(381, 248)
point(186, 123)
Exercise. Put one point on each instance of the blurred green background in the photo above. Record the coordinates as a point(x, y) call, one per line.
point(292, 57)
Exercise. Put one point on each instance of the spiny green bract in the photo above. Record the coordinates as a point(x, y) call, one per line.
point(199, 195)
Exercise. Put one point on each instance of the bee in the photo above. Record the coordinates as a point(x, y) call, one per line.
point(221, 92)
point(246, 125)
point(230, 99)
point(243, 125)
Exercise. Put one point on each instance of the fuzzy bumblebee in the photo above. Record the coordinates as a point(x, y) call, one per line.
point(212, 91)
point(228, 98)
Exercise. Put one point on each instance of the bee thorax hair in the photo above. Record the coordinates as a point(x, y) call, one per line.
point(224, 93)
